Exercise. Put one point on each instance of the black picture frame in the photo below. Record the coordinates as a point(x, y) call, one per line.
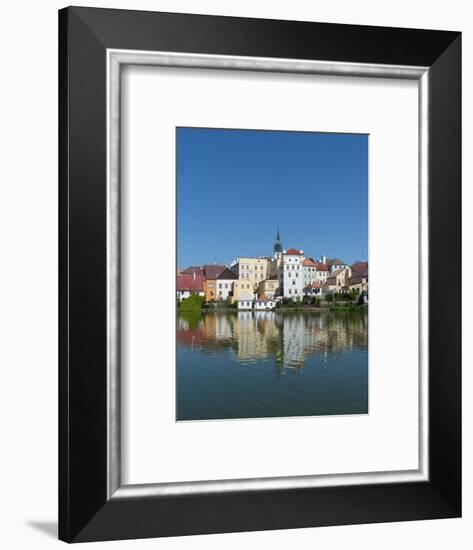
point(86, 512)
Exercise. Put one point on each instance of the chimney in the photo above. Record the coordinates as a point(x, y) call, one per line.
point(193, 273)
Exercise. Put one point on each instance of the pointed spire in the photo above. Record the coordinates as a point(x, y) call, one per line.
point(277, 244)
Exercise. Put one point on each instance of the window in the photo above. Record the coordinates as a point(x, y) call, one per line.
point(219, 285)
point(290, 291)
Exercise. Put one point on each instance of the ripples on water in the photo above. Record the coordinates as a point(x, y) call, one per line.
point(269, 364)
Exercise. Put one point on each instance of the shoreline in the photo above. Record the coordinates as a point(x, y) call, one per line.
point(332, 309)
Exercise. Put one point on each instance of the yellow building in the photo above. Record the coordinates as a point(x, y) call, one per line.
point(251, 272)
point(338, 280)
point(210, 292)
point(268, 287)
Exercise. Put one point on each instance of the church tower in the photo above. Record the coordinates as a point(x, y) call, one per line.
point(277, 245)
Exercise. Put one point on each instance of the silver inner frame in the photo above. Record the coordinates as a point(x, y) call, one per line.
point(115, 60)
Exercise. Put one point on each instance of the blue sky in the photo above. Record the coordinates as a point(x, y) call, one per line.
point(235, 187)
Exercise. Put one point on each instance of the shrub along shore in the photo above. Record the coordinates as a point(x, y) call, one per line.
point(341, 302)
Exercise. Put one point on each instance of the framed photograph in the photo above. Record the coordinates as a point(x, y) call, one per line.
point(259, 274)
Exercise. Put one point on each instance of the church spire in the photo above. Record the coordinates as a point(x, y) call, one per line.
point(277, 244)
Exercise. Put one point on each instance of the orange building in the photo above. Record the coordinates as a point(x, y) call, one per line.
point(211, 273)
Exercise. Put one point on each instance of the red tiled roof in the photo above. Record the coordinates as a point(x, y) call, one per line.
point(293, 252)
point(309, 262)
point(188, 282)
point(263, 298)
point(321, 267)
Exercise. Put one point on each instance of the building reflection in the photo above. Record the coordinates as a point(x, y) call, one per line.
point(288, 338)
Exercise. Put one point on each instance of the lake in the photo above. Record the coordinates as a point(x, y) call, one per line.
point(271, 364)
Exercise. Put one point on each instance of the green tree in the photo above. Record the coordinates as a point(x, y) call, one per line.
point(192, 304)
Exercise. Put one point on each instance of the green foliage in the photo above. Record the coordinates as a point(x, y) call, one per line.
point(192, 304)
point(329, 297)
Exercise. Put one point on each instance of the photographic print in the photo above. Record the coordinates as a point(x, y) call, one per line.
point(272, 274)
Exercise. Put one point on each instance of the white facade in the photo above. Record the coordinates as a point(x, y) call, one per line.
point(264, 304)
point(224, 288)
point(293, 275)
point(245, 302)
point(322, 275)
point(309, 270)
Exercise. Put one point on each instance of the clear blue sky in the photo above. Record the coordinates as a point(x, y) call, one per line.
point(235, 187)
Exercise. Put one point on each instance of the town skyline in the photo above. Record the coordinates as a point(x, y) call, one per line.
point(229, 260)
point(236, 187)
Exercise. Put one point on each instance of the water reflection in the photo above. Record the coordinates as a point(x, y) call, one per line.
point(271, 364)
point(289, 338)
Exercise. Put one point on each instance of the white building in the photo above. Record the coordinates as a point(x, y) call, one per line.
point(263, 303)
point(322, 271)
point(225, 283)
point(293, 274)
point(245, 301)
point(309, 271)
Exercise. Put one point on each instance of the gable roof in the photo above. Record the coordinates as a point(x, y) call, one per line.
point(309, 262)
point(335, 273)
point(292, 252)
point(192, 269)
point(212, 271)
point(190, 282)
point(228, 275)
point(321, 267)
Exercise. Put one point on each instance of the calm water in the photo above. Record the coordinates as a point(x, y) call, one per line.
point(263, 364)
